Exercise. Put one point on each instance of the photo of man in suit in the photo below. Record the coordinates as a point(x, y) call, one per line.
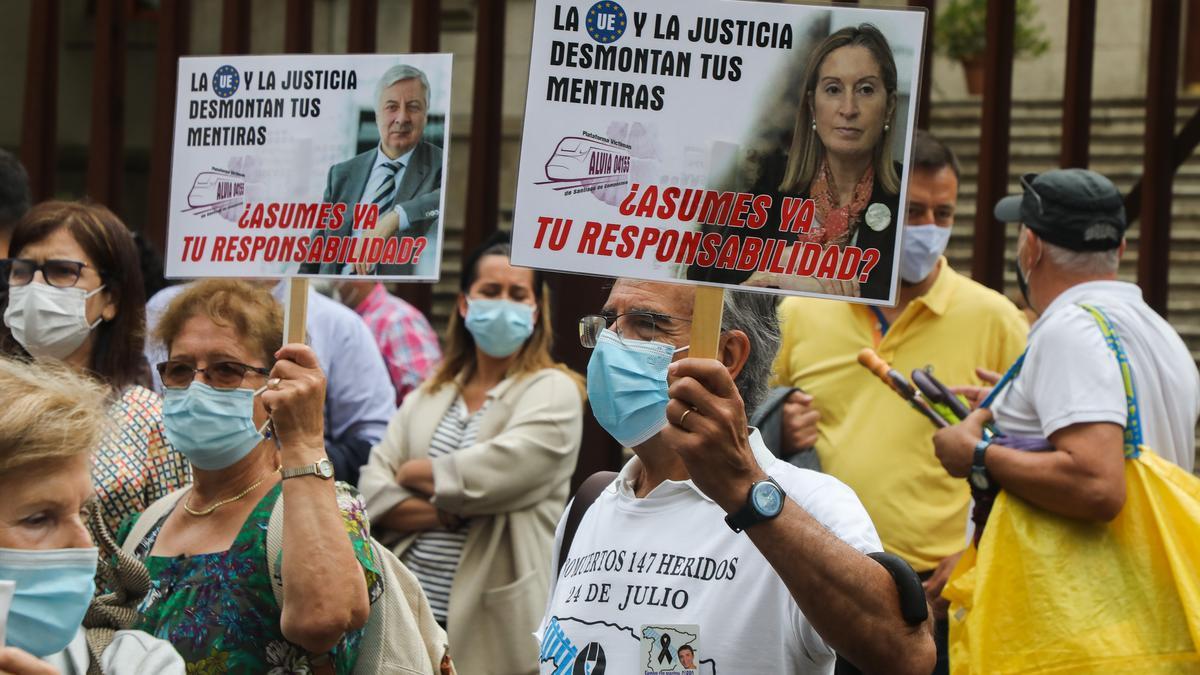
point(403, 174)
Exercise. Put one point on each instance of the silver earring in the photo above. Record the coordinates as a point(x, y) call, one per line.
point(887, 128)
point(814, 125)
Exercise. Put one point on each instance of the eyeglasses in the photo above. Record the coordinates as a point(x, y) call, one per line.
point(644, 326)
point(1027, 183)
point(57, 273)
point(221, 375)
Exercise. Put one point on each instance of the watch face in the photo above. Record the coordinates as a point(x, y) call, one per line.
point(767, 498)
point(979, 480)
point(325, 468)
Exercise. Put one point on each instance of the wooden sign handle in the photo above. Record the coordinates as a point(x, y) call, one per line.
point(706, 322)
point(295, 313)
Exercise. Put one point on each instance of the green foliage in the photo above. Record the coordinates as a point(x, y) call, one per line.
point(962, 29)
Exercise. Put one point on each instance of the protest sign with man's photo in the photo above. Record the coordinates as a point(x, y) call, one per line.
point(733, 143)
point(309, 165)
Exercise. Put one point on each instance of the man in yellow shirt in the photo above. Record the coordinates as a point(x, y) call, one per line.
point(864, 434)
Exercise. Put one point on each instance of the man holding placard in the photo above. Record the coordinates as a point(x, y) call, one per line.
point(778, 586)
point(645, 123)
point(402, 176)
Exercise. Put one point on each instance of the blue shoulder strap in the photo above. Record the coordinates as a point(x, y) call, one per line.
point(1009, 375)
point(1133, 419)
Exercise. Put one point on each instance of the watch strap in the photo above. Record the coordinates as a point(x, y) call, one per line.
point(741, 519)
point(980, 477)
point(297, 471)
point(981, 453)
point(748, 515)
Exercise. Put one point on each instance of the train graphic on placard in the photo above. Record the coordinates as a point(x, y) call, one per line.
point(576, 159)
point(211, 188)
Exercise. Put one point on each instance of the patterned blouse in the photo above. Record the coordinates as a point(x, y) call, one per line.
point(135, 464)
point(218, 609)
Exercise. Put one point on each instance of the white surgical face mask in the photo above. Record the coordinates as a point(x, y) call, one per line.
point(49, 322)
point(922, 246)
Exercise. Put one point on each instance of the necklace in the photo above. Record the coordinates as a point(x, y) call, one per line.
point(204, 512)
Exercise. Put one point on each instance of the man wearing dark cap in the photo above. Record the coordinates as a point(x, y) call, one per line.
point(1069, 388)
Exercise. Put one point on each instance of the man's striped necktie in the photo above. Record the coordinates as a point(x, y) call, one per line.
point(387, 188)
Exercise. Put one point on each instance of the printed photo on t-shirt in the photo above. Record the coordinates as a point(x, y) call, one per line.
point(670, 649)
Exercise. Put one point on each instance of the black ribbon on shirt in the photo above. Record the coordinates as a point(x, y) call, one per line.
point(665, 641)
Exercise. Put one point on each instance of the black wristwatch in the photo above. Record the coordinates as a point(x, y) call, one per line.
point(979, 476)
point(764, 502)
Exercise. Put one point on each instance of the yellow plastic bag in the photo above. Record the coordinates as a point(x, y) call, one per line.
point(1047, 594)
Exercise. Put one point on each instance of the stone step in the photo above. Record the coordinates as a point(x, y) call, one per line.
point(1125, 160)
point(1185, 188)
point(1116, 150)
point(1051, 109)
point(1185, 208)
point(1030, 149)
point(1032, 129)
point(1117, 157)
point(1124, 171)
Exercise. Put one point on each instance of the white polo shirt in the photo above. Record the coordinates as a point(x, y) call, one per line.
point(1070, 375)
point(653, 584)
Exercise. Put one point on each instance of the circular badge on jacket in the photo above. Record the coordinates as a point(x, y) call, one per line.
point(878, 217)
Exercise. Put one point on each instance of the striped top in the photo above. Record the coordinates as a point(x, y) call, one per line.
point(433, 557)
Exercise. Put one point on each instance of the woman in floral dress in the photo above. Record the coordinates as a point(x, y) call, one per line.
point(247, 413)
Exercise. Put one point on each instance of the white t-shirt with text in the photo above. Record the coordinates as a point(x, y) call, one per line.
point(661, 584)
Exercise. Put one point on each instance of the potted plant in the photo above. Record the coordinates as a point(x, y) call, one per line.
point(962, 34)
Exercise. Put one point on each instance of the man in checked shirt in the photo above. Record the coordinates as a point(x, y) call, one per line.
point(408, 343)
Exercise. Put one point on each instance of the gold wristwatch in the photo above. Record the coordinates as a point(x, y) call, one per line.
point(322, 468)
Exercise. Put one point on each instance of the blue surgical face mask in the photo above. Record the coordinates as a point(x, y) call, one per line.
point(627, 386)
point(213, 428)
point(499, 327)
point(54, 589)
point(922, 247)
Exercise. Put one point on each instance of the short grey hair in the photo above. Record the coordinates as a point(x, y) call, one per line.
point(399, 73)
point(1083, 263)
point(756, 315)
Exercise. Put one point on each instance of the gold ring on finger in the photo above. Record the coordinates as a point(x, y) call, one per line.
point(684, 415)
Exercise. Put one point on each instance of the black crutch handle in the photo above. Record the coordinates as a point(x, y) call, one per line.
point(913, 607)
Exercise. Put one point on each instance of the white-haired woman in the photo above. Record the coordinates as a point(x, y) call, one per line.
point(51, 420)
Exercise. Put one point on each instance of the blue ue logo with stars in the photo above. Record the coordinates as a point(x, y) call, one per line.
point(606, 22)
point(226, 81)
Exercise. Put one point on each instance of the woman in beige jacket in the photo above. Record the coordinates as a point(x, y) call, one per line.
point(472, 475)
